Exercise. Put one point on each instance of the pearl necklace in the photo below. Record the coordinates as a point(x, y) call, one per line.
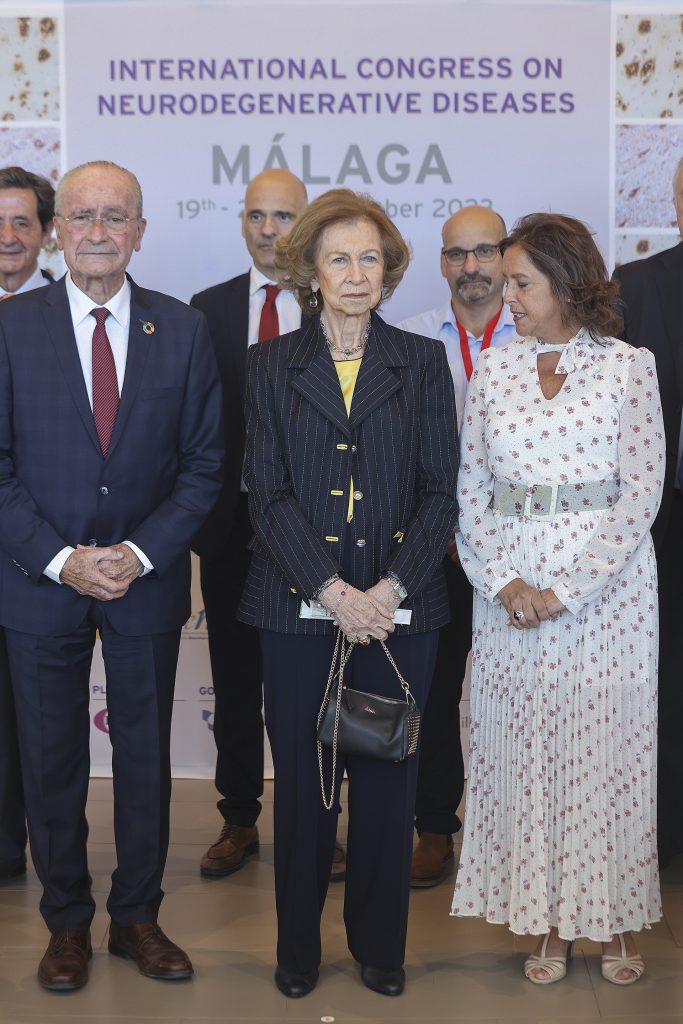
point(352, 349)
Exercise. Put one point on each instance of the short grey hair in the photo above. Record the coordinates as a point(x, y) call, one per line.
point(64, 182)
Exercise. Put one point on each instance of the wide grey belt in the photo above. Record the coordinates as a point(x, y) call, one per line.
point(543, 501)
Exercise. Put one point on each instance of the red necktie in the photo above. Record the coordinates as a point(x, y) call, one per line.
point(105, 386)
point(269, 326)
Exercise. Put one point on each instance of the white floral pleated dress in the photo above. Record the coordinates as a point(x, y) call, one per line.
point(560, 825)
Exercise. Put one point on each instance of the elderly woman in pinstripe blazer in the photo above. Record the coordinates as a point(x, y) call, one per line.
point(351, 468)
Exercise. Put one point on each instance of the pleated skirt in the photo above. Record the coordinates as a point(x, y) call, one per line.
point(560, 826)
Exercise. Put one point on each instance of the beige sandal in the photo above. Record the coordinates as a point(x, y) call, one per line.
point(555, 967)
point(612, 965)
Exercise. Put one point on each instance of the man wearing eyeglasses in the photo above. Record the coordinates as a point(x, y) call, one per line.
point(110, 459)
point(26, 209)
point(473, 319)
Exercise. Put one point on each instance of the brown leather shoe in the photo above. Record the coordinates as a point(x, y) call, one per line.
point(65, 964)
point(230, 852)
point(338, 869)
point(432, 860)
point(154, 953)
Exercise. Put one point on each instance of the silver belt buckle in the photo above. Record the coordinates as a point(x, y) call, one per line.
point(532, 493)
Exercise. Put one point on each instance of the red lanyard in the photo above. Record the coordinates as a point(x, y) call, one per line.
point(465, 345)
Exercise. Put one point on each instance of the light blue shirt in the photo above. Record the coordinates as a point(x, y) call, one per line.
point(440, 323)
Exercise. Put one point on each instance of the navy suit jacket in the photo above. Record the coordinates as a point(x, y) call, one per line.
point(226, 308)
point(400, 446)
point(156, 486)
point(652, 295)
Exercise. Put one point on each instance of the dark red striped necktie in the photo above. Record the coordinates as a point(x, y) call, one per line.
point(269, 326)
point(105, 386)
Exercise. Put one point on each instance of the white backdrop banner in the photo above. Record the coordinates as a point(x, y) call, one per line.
point(428, 107)
point(420, 105)
point(563, 106)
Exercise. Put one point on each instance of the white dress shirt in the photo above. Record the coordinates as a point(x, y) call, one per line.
point(36, 280)
point(288, 309)
point(117, 325)
point(288, 313)
point(440, 323)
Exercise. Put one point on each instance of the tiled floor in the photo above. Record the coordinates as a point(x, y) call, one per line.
point(458, 970)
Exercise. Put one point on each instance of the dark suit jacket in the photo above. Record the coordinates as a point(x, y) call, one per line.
point(226, 307)
point(652, 293)
point(156, 486)
point(400, 446)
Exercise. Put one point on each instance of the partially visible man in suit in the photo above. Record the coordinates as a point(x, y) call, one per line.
point(652, 293)
point(27, 204)
point(110, 459)
point(241, 312)
point(473, 318)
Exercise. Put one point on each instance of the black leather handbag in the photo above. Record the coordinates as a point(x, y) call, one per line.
point(365, 724)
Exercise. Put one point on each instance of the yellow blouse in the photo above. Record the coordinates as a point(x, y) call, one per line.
point(347, 371)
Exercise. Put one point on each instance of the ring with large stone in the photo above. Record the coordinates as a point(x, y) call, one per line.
point(518, 616)
point(364, 640)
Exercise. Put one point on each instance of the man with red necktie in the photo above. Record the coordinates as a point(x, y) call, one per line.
point(27, 203)
point(110, 460)
point(473, 319)
point(241, 312)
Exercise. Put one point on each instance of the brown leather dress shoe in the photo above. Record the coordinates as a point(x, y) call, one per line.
point(65, 964)
point(432, 860)
point(230, 852)
point(154, 953)
point(338, 869)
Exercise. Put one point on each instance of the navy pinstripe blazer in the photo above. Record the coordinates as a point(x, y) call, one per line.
point(156, 486)
point(400, 446)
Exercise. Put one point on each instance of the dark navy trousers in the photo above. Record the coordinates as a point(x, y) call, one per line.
point(236, 675)
point(12, 815)
point(441, 776)
point(51, 682)
point(381, 800)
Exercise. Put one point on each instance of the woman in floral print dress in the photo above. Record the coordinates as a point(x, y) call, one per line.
point(561, 474)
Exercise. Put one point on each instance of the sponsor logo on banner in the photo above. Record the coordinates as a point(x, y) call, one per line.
point(101, 721)
point(207, 717)
point(195, 627)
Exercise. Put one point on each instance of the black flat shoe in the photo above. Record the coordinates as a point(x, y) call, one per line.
point(296, 984)
point(387, 983)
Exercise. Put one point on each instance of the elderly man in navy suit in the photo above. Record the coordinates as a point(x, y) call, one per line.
point(240, 313)
point(27, 205)
point(110, 459)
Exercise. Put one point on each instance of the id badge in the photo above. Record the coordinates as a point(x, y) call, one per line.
point(315, 610)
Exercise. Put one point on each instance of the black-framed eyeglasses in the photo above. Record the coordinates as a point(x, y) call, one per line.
point(116, 223)
point(482, 253)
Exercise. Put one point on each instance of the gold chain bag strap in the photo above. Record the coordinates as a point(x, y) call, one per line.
point(364, 724)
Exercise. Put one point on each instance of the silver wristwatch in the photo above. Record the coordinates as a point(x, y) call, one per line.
point(396, 585)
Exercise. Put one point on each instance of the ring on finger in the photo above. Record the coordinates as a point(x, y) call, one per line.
point(518, 616)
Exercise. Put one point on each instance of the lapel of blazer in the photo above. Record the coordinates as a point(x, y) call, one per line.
point(317, 378)
point(237, 316)
point(139, 343)
point(376, 381)
point(671, 291)
point(59, 327)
